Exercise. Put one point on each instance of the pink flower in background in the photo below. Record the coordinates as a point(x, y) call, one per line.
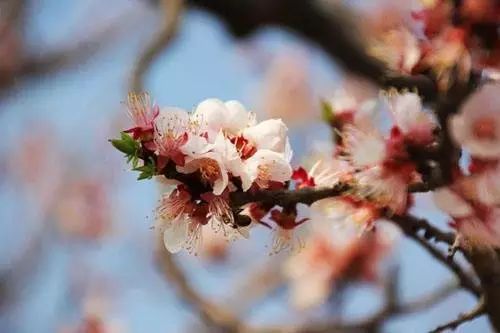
point(477, 126)
point(415, 124)
point(83, 209)
point(478, 225)
point(287, 93)
point(330, 259)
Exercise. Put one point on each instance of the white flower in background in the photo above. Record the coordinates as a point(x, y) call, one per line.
point(215, 115)
point(267, 166)
point(477, 126)
point(269, 134)
point(415, 124)
point(329, 171)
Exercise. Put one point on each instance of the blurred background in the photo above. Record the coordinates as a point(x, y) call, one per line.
point(76, 238)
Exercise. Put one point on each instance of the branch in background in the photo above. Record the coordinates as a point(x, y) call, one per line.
point(171, 11)
point(414, 225)
point(393, 308)
point(212, 314)
point(465, 280)
point(477, 311)
point(45, 62)
point(328, 28)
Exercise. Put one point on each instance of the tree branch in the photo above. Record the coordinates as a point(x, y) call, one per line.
point(465, 280)
point(477, 311)
point(171, 11)
point(329, 29)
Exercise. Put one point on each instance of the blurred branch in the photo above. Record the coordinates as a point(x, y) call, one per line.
point(329, 28)
point(171, 14)
point(465, 280)
point(261, 282)
point(13, 278)
point(46, 62)
point(212, 314)
point(477, 311)
point(393, 308)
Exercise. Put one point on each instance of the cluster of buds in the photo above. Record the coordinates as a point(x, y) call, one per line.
point(205, 155)
point(444, 37)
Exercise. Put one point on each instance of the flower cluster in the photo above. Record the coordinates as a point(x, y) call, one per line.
point(219, 150)
point(205, 155)
point(379, 165)
point(473, 199)
point(444, 37)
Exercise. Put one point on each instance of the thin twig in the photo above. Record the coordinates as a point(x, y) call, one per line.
point(476, 312)
point(171, 10)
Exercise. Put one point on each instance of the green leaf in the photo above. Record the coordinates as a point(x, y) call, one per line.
point(327, 112)
point(126, 144)
point(147, 171)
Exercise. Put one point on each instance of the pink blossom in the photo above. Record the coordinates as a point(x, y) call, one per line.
point(416, 124)
point(174, 220)
point(143, 113)
point(477, 224)
point(171, 133)
point(477, 126)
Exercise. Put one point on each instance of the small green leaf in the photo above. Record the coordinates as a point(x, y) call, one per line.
point(126, 144)
point(327, 112)
point(147, 171)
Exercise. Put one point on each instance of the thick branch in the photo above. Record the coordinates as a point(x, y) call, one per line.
point(327, 28)
point(285, 198)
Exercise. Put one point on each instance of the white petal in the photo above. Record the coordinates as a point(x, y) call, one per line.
point(212, 113)
point(195, 146)
point(451, 203)
point(237, 117)
point(270, 134)
point(175, 235)
point(276, 167)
